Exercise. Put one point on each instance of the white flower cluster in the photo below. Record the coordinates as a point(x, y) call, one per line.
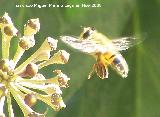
point(24, 82)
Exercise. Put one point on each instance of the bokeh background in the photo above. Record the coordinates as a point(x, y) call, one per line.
point(136, 96)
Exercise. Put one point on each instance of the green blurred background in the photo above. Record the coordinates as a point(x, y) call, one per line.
point(136, 96)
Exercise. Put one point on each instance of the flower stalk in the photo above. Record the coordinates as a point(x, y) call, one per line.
point(10, 108)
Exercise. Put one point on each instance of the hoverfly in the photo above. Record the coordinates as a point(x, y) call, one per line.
point(105, 51)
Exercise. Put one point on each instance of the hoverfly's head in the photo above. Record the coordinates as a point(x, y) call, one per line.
point(87, 32)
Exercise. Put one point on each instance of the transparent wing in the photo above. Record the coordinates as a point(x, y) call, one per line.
point(125, 43)
point(87, 45)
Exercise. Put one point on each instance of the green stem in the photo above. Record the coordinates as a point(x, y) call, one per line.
point(18, 54)
point(5, 46)
point(138, 80)
point(2, 99)
point(50, 80)
point(45, 47)
point(18, 95)
point(24, 64)
point(45, 98)
point(9, 104)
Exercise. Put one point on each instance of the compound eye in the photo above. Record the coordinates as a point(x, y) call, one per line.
point(86, 34)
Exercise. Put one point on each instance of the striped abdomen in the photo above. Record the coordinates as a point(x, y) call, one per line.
point(117, 62)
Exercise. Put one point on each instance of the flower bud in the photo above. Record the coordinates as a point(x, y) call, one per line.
point(6, 65)
point(6, 19)
point(62, 79)
point(57, 101)
point(27, 42)
point(32, 27)
point(50, 44)
point(31, 69)
point(61, 57)
point(10, 31)
point(30, 99)
point(55, 98)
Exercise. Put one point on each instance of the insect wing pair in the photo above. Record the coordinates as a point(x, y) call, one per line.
point(105, 56)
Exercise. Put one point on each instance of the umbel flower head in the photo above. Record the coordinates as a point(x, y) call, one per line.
point(23, 82)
